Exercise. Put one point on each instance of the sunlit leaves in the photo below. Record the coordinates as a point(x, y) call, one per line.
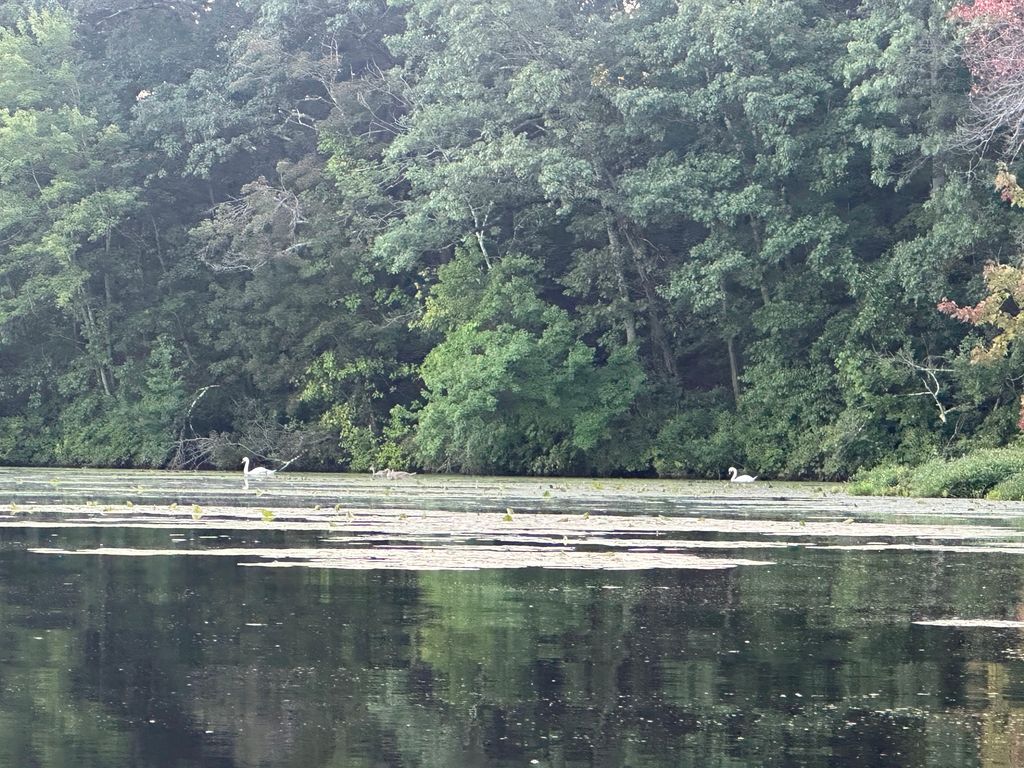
point(35, 59)
point(999, 310)
point(509, 386)
point(58, 178)
point(901, 71)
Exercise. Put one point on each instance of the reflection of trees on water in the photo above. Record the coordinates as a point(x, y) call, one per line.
point(813, 662)
point(999, 685)
point(1001, 726)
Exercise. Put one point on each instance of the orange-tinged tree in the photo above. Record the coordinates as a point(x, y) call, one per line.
point(1000, 309)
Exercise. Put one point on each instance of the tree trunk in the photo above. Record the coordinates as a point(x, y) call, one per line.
point(755, 230)
point(658, 337)
point(159, 248)
point(90, 332)
point(108, 331)
point(625, 303)
point(934, 75)
point(734, 368)
point(734, 358)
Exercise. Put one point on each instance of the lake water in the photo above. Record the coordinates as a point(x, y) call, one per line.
point(176, 619)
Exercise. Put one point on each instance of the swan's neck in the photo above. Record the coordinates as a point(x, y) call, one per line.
point(732, 472)
point(245, 466)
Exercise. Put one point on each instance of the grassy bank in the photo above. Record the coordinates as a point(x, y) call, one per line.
point(993, 473)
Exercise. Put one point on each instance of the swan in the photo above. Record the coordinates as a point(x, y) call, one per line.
point(734, 478)
point(390, 474)
point(255, 471)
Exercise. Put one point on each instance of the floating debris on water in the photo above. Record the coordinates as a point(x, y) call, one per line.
point(430, 558)
point(446, 522)
point(987, 623)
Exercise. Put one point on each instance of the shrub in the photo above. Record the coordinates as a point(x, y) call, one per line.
point(996, 473)
point(699, 440)
point(972, 475)
point(885, 480)
point(1010, 489)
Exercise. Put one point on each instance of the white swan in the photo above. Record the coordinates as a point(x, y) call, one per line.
point(390, 474)
point(255, 471)
point(734, 478)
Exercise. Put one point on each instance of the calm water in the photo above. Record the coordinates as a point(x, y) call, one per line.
point(200, 661)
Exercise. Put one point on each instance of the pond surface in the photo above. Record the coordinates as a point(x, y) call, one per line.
point(177, 619)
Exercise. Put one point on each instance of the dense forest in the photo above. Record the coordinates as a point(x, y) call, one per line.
point(543, 236)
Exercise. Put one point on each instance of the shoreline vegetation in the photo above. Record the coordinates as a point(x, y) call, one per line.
point(540, 238)
point(991, 473)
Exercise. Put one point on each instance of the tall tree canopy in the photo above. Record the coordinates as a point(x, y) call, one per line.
point(542, 236)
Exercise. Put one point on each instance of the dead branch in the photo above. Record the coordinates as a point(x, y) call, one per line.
point(247, 232)
point(182, 8)
point(928, 373)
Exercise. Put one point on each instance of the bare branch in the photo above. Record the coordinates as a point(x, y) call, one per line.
point(182, 8)
point(993, 51)
point(928, 372)
point(247, 232)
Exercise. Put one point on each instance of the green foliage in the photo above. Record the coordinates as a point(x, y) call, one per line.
point(137, 427)
point(27, 439)
point(351, 398)
point(899, 66)
point(60, 192)
point(700, 440)
point(534, 237)
point(970, 476)
point(992, 473)
point(1008, 489)
point(781, 420)
point(883, 480)
point(161, 401)
point(509, 387)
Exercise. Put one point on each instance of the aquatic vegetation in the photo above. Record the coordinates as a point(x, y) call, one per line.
point(515, 517)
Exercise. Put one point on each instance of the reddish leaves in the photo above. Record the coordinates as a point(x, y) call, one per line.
point(1005, 286)
point(993, 50)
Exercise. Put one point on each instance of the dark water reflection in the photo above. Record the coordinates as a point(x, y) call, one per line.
point(198, 661)
point(174, 661)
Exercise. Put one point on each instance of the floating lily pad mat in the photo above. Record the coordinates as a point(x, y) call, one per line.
point(465, 558)
point(475, 524)
point(420, 539)
point(423, 522)
point(987, 623)
point(807, 501)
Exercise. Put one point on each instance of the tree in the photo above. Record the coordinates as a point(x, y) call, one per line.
point(993, 50)
point(510, 388)
point(64, 195)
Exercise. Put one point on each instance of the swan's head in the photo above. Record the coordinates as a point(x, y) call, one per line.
point(732, 470)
